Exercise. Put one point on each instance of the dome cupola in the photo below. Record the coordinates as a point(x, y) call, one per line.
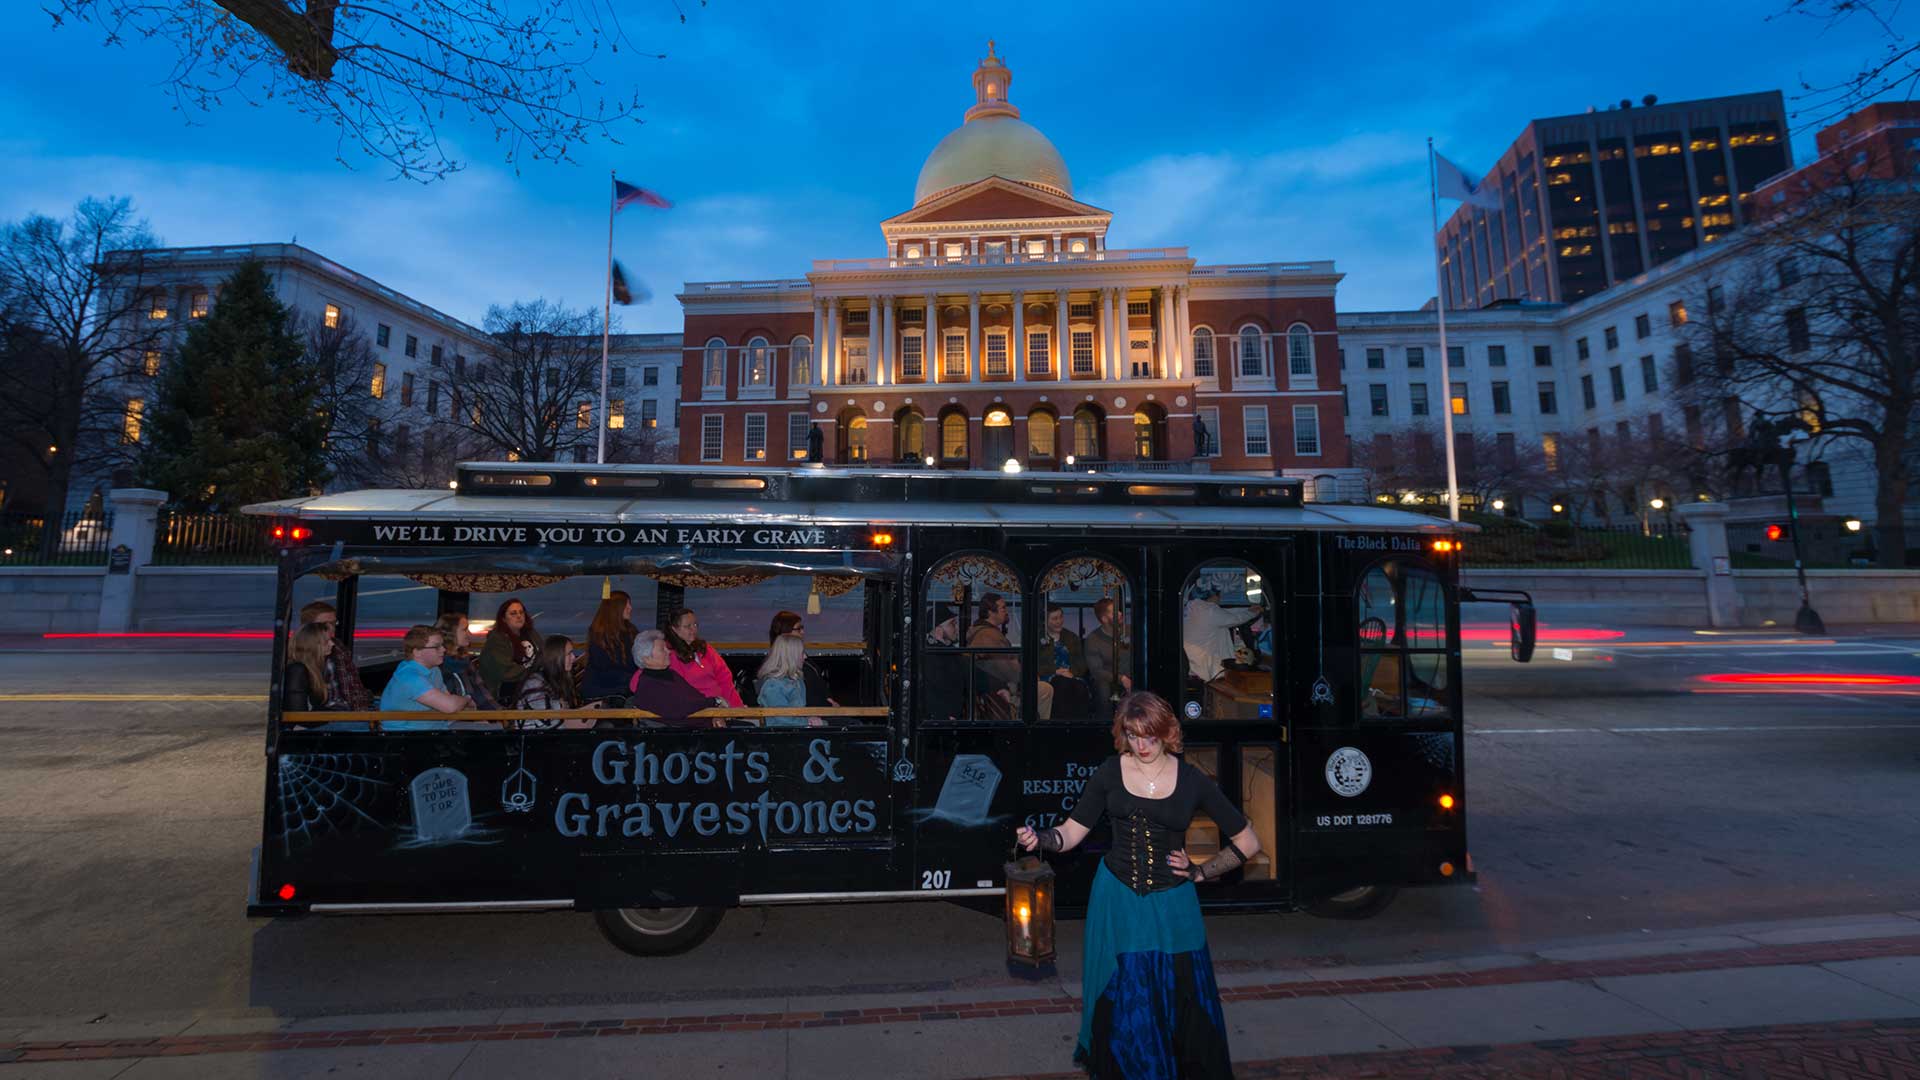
point(993, 141)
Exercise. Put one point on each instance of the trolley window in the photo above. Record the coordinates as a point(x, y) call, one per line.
point(1226, 638)
point(1084, 659)
point(970, 663)
point(1401, 617)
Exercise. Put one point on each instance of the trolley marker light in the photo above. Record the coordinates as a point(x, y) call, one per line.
point(1446, 869)
point(286, 891)
point(1776, 532)
point(882, 539)
point(1446, 802)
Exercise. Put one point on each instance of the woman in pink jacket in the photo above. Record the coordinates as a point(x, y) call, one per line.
point(698, 662)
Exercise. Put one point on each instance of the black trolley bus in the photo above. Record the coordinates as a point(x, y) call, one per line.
point(1312, 651)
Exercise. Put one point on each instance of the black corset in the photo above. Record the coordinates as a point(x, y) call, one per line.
point(1139, 854)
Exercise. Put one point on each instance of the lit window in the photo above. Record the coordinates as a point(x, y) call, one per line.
point(910, 436)
point(856, 430)
point(712, 434)
point(913, 357)
point(199, 305)
point(756, 445)
point(956, 365)
point(130, 424)
point(797, 436)
point(802, 373)
point(1039, 356)
point(1255, 429)
point(856, 362)
point(1300, 353)
point(716, 365)
point(956, 252)
point(1041, 432)
point(379, 387)
point(997, 354)
point(1088, 440)
point(617, 414)
point(583, 416)
point(150, 363)
point(1082, 352)
point(1036, 248)
point(953, 437)
point(1458, 394)
point(649, 413)
point(1306, 429)
point(157, 308)
point(756, 370)
point(1677, 313)
point(913, 251)
point(332, 318)
point(1077, 246)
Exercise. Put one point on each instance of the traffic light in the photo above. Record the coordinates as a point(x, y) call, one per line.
point(1776, 532)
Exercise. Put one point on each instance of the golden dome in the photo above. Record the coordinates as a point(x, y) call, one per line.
point(993, 141)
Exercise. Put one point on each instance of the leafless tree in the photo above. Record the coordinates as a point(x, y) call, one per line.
point(387, 73)
point(533, 393)
point(345, 368)
point(1486, 468)
point(1821, 322)
point(1891, 71)
point(83, 331)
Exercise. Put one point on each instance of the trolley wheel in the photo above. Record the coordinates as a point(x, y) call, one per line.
point(658, 931)
point(1363, 902)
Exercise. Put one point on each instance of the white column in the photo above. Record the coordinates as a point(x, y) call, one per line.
point(1183, 325)
point(887, 336)
point(1056, 246)
point(931, 349)
point(874, 347)
point(973, 335)
point(1110, 332)
point(1062, 352)
point(819, 346)
point(1019, 342)
point(1163, 332)
point(830, 367)
point(976, 247)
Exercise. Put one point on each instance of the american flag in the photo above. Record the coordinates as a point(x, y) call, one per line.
point(625, 194)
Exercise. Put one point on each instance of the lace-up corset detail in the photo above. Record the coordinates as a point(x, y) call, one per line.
point(1139, 853)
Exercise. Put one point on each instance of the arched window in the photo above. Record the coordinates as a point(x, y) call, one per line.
point(1084, 662)
point(953, 437)
point(970, 654)
point(1400, 617)
point(756, 367)
point(1042, 433)
point(910, 436)
point(802, 367)
point(852, 432)
point(1300, 353)
point(1226, 638)
point(1089, 434)
point(1149, 433)
point(1253, 353)
point(997, 439)
point(1203, 353)
point(716, 364)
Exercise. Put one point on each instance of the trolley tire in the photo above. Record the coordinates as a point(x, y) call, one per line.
point(1363, 902)
point(658, 931)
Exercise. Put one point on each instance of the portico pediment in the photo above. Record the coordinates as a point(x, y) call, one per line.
point(995, 199)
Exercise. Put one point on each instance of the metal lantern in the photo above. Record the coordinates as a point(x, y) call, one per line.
point(1029, 913)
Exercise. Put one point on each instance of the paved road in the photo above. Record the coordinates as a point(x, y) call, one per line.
point(1609, 794)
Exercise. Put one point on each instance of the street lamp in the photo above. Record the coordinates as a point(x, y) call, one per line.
point(1658, 504)
point(1559, 508)
point(1853, 524)
point(1499, 504)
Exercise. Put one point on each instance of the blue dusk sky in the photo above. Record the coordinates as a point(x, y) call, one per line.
point(787, 132)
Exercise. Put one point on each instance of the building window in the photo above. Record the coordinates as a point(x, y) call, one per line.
point(433, 399)
point(1038, 354)
point(650, 376)
point(1254, 417)
point(912, 251)
point(1642, 327)
point(1140, 346)
point(1797, 336)
point(910, 436)
point(1496, 356)
point(1042, 431)
point(198, 305)
point(953, 437)
point(1088, 434)
point(379, 387)
point(1649, 377)
point(1082, 352)
point(1543, 356)
point(1418, 393)
point(617, 376)
point(616, 414)
point(1210, 444)
point(1300, 354)
point(716, 364)
point(1253, 353)
point(1677, 313)
point(1617, 382)
point(332, 318)
point(649, 413)
point(406, 388)
point(1457, 398)
point(1716, 299)
point(1036, 248)
point(1586, 393)
point(856, 362)
point(382, 335)
point(956, 252)
point(1080, 309)
point(1550, 450)
point(413, 346)
point(130, 421)
point(997, 354)
point(1502, 399)
point(756, 444)
point(1306, 430)
point(1582, 350)
point(1683, 364)
point(956, 356)
point(797, 427)
point(1456, 356)
point(1549, 401)
point(150, 363)
point(1377, 399)
point(157, 308)
point(1377, 359)
point(459, 364)
point(913, 356)
point(712, 436)
point(1416, 356)
point(583, 416)
point(756, 367)
point(1139, 307)
point(1203, 353)
point(1612, 336)
point(1789, 273)
point(801, 370)
point(1077, 246)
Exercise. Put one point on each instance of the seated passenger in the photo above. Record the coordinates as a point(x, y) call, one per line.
point(610, 665)
point(1063, 664)
point(781, 682)
point(550, 687)
point(660, 690)
point(303, 687)
point(1207, 632)
point(996, 677)
point(416, 685)
point(1109, 658)
point(698, 662)
point(512, 648)
point(790, 622)
point(344, 688)
point(459, 672)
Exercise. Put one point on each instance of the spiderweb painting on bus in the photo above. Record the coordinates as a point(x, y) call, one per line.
point(322, 795)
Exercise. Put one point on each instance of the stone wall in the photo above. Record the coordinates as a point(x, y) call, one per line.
point(50, 599)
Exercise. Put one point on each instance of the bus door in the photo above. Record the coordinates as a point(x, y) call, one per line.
point(1220, 620)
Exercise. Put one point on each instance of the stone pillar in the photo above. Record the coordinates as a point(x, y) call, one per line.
point(1062, 351)
point(830, 365)
point(973, 336)
point(1019, 342)
point(876, 342)
point(136, 513)
point(1111, 299)
point(887, 342)
point(1163, 334)
point(819, 347)
point(1182, 330)
point(1056, 247)
point(933, 351)
point(1708, 542)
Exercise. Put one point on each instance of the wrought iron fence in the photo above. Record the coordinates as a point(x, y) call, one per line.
point(81, 540)
point(184, 538)
point(1652, 544)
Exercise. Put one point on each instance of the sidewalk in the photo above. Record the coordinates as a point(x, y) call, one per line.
point(1836, 997)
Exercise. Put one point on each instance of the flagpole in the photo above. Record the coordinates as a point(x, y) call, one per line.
point(606, 322)
point(1446, 360)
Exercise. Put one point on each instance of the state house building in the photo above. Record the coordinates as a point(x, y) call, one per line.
point(998, 325)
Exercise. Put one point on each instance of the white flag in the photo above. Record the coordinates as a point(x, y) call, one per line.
point(1454, 182)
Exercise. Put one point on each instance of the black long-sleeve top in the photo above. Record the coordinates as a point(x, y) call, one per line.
point(1146, 831)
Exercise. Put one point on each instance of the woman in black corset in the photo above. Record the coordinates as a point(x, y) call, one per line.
point(1150, 1005)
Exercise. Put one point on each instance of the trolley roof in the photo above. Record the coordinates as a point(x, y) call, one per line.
point(815, 495)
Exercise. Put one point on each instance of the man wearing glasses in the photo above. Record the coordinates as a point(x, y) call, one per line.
point(417, 685)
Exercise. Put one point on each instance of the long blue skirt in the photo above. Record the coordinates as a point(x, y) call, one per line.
point(1150, 1009)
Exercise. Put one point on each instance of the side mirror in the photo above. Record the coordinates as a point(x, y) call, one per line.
point(1524, 625)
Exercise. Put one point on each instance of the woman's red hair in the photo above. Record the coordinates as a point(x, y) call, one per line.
point(1146, 713)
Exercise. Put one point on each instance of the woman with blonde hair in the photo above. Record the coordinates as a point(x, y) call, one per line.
point(781, 682)
point(303, 688)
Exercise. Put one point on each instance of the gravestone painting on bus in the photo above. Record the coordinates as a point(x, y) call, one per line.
point(442, 813)
point(967, 793)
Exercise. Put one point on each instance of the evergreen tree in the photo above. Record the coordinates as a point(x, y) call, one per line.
point(235, 421)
